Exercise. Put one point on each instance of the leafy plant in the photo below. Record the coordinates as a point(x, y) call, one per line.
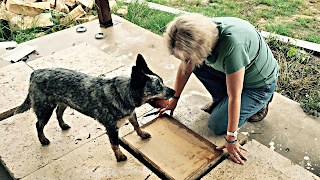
point(298, 75)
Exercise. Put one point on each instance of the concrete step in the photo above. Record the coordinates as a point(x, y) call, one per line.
point(262, 163)
point(290, 132)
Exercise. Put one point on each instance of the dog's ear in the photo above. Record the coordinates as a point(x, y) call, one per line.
point(138, 78)
point(141, 64)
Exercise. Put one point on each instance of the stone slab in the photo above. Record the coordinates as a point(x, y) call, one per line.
point(82, 57)
point(94, 160)
point(22, 153)
point(291, 132)
point(6, 15)
point(20, 144)
point(173, 149)
point(262, 163)
point(29, 9)
point(77, 12)
point(14, 80)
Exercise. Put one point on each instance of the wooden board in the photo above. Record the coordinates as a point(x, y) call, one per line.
point(173, 149)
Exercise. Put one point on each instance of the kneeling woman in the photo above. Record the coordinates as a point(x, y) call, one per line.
point(233, 61)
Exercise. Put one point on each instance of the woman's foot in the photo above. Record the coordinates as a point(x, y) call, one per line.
point(209, 107)
point(261, 114)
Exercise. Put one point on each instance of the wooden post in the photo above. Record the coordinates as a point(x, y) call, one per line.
point(104, 15)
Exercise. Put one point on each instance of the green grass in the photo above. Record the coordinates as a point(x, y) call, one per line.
point(303, 28)
point(276, 16)
point(143, 16)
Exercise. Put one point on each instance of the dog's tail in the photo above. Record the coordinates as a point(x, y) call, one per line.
point(25, 106)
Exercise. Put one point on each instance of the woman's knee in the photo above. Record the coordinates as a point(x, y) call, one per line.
point(216, 127)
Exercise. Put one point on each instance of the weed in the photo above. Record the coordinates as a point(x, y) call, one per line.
point(298, 75)
point(56, 16)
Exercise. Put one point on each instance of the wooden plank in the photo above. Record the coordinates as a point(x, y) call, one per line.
point(173, 149)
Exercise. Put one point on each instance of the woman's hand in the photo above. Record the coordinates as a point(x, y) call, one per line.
point(234, 151)
point(171, 106)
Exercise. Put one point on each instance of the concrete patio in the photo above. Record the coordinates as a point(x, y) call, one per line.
point(84, 151)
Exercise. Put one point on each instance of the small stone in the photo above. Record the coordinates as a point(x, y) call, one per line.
point(122, 11)
point(124, 7)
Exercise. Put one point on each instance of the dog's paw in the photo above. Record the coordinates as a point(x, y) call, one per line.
point(145, 135)
point(45, 141)
point(122, 157)
point(65, 127)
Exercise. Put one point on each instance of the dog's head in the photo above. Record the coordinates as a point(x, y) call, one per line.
point(142, 78)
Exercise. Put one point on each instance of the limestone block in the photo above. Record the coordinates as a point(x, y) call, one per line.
point(2, 6)
point(43, 20)
point(14, 80)
point(112, 4)
point(87, 18)
point(77, 12)
point(26, 22)
point(52, 2)
point(87, 3)
point(262, 163)
point(70, 3)
point(83, 57)
point(29, 1)
point(61, 6)
point(21, 151)
point(23, 22)
point(29, 9)
point(94, 160)
point(7, 15)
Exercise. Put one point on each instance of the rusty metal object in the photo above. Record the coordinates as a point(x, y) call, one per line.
point(104, 14)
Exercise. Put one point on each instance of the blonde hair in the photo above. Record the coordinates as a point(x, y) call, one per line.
point(191, 37)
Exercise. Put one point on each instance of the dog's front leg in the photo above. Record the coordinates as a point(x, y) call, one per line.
point(114, 140)
point(135, 124)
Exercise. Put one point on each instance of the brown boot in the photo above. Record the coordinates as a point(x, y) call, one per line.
point(210, 107)
point(261, 114)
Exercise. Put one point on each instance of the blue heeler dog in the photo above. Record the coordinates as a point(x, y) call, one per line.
point(110, 101)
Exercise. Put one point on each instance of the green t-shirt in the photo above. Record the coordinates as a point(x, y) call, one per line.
point(240, 44)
